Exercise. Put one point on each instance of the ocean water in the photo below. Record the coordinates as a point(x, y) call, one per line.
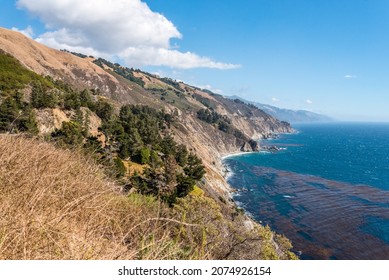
point(327, 189)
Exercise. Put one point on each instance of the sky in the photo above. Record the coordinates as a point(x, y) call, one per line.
point(325, 56)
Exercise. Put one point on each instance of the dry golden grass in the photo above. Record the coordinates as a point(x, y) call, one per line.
point(55, 204)
point(132, 167)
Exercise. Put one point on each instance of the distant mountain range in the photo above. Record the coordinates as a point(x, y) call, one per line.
point(291, 116)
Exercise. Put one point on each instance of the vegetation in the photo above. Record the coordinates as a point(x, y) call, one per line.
point(13, 76)
point(171, 170)
point(205, 101)
point(131, 192)
point(134, 135)
point(78, 213)
point(171, 82)
point(120, 70)
point(223, 123)
point(17, 115)
point(65, 208)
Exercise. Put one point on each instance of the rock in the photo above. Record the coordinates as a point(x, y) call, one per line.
point(254, 145)
point(246, 147)
point(271, 148)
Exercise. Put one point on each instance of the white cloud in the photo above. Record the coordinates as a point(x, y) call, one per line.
point(211, 88)
point(168, 57)
point(350, 76)
point(309, 101)
point(26, 32)
point(275, 100)
point(126, 28)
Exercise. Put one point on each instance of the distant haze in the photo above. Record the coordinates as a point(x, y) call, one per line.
point(291, 116)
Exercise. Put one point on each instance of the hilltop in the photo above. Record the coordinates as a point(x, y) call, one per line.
point(151, 136)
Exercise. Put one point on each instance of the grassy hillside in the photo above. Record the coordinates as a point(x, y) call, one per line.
point(57, 204)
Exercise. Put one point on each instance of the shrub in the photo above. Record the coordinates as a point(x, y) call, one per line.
point(104, 110)
point(71, 134)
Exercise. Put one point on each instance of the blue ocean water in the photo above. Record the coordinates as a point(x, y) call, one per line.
point(327, 189)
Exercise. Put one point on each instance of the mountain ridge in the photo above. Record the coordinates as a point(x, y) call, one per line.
point(289, 115)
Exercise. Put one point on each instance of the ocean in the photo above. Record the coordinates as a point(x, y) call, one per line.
point(326, 189)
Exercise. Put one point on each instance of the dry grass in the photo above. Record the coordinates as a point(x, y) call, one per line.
point(55, 204)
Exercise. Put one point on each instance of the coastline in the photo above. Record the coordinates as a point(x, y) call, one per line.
point(223, 157)
point(231, 191)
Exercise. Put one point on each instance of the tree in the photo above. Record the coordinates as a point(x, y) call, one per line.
point(144, 155)
point(42, 98)
point(185, 185)
point(69, 134)
point(170, 175)
point(104, 110)
point(168, 145)
point(181, 155)
point(194, 168)
point(72, 101)
point(9, 114)
point(120, 169)
point(28, 122)
point(86, 99)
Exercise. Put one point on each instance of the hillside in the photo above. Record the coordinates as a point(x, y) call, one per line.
point(153, 136)
point(181, 100)
point(291, 116)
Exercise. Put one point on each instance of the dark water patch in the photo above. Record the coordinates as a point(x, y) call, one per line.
point(325, 219)
point(378, 227)
point(327, 189)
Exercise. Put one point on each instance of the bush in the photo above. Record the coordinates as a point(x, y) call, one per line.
point(72, 101)
point(42, 98)
point(104, 110)
point(120, 169)
point(71, 134)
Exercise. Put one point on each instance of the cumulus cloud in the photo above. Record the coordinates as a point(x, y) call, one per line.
point(26, 32)
point(128, 29)
point(308, 101)
point(275, 100)
point(350, 76)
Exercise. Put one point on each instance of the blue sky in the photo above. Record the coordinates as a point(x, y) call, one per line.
point(326, 56)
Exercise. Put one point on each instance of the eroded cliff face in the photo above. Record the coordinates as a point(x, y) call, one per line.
point(212, 144)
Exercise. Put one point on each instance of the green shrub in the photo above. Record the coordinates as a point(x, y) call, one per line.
point(41, 97)
point(104, 110)
point(71, 133)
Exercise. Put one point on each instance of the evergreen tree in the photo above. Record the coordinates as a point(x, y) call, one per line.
point(70, 134)
point(104, 110)
point(42, 98)
point(9, 114)
point(194, 168)
point(86, 99)
point(72, 101)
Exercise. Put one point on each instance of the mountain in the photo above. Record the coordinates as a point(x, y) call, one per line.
point(291, 116)
point(154, 137)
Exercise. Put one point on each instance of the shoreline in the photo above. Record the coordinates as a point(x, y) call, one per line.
point(226, 172)
point(223, 157)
